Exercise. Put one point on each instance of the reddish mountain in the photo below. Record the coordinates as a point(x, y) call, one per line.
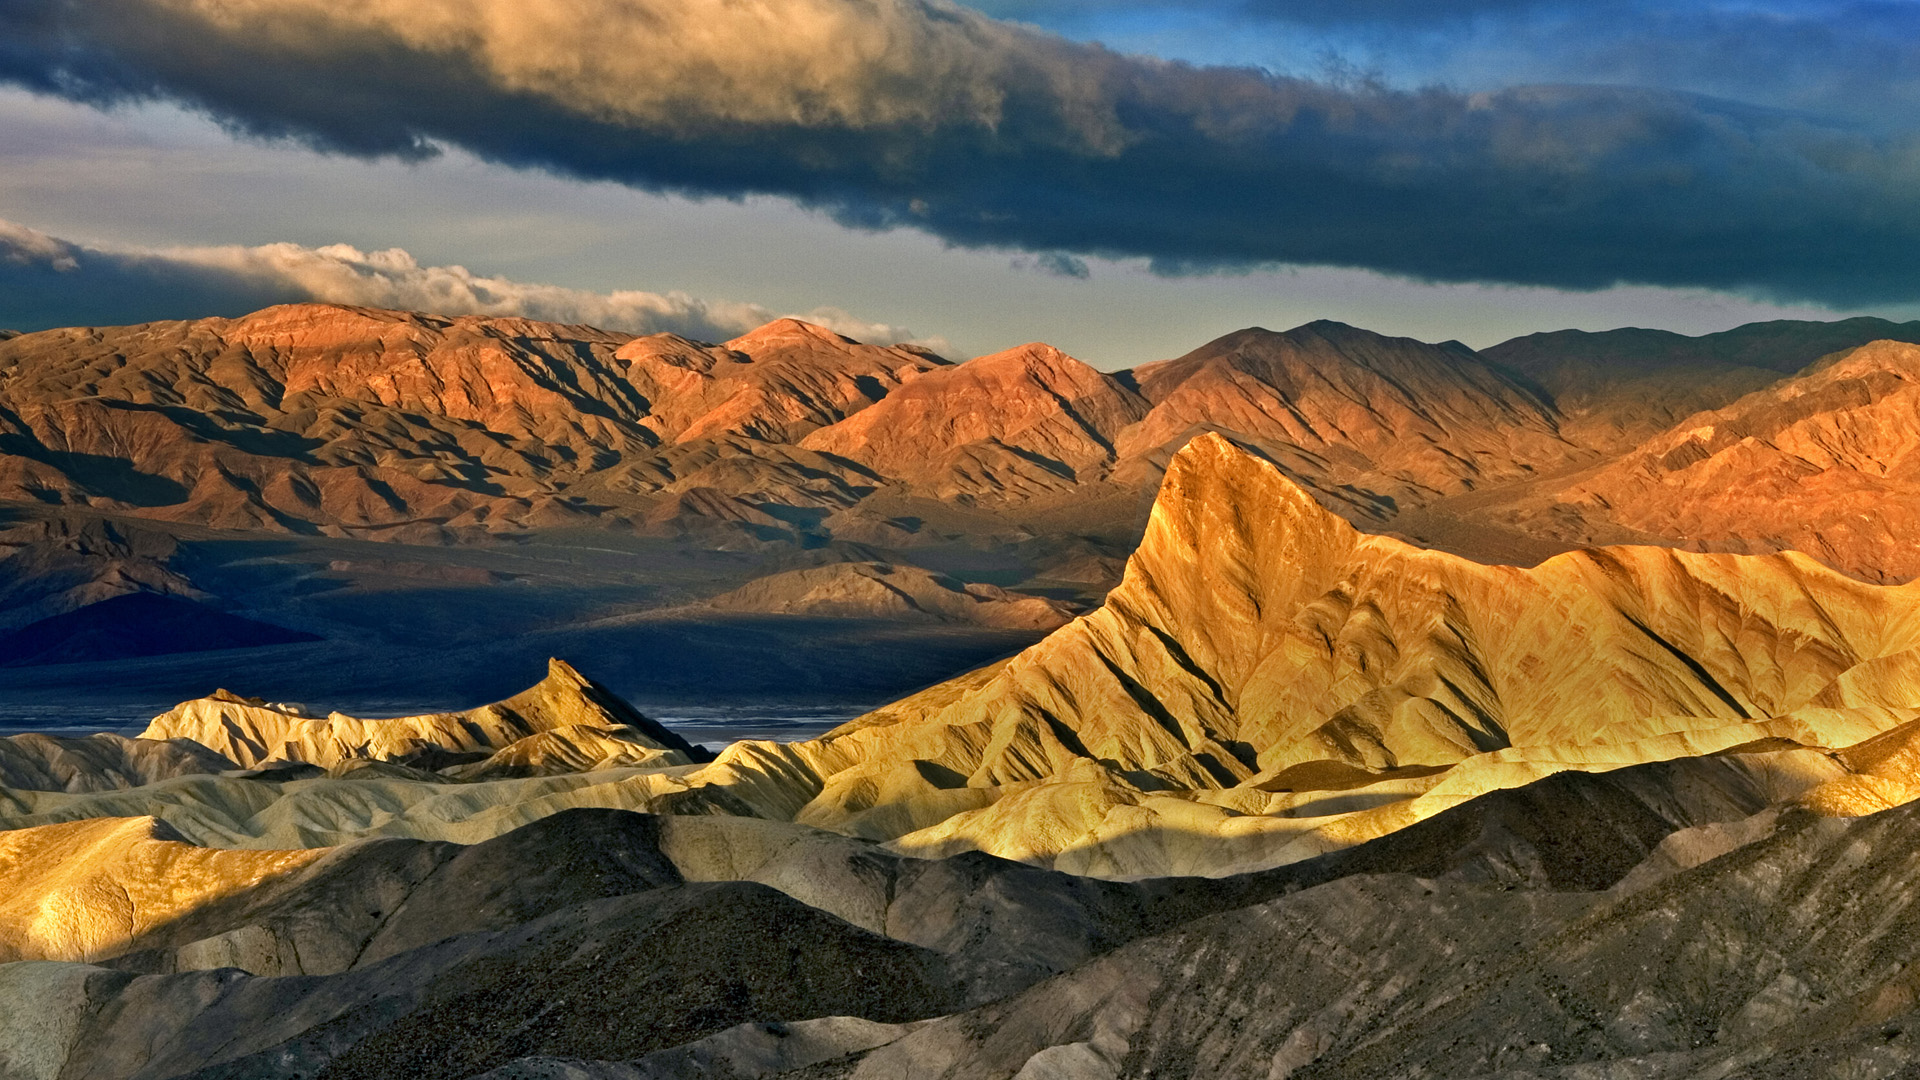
point(774, 384)
point(1353, 413)
point(388, 424)
point(1028, 421)
point(1618, 387)
point(391, 425)
point(1827, 463)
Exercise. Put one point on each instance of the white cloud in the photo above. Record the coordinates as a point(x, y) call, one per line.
point(341, 274)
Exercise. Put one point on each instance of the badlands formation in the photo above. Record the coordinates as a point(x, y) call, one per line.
point(1297, 799)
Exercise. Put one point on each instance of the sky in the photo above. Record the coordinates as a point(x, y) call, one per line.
point(1125, 179)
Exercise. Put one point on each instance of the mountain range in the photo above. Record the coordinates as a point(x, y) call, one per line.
point(347, 421)
point(801, 449)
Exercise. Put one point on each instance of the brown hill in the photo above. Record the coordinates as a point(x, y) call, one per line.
point(1028, 421)
point(1266, 683)
point(393, 425)
point(875, 590)
point(414, 428)
point(774, 384)
point(1261, 653)
point(1362, 418)
point(1827, 462)
point(1617, 387)
point(311, 416)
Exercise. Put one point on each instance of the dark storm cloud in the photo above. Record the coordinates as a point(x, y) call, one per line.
point(1054, 263)
point(892, 113)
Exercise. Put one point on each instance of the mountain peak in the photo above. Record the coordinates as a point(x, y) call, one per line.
point(1028, 419)
point(788, 327)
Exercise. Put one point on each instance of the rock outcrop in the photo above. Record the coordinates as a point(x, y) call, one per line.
point(1266, 679)
point(564, 712)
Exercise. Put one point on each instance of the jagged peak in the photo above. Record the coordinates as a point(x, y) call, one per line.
point(1211, 462)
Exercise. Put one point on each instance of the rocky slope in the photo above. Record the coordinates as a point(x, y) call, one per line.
point(565, 713)
point(309, 417)
point(1617, 387)
point(1018, 424)
point(400, 426)
point(1823, 462)
point(395, 425)
point(1353, 414)
point(1648, 922)
point(1268, 682)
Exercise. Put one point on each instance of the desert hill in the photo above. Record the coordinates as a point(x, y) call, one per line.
point(774, 384)
point(415, 429)
point(1353, 414)
point(564, 713)
point(400, 425)
point(1027, 422)
point(699, 946)
point(1617, 387)
point(1823, 462)
point(1298, 800)
point(1630, 812)
point(883, 590)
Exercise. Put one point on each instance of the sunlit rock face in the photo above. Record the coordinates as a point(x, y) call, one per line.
point(774, 384)
point(1616, 388)
point(565, 718)
point(318, 416)
point(403, 426)
point(1026, 422)
point(1267, 682)
point(1823, 463)
point(1342, 407)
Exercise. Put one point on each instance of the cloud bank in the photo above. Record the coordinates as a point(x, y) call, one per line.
point(47, 281)
point(889, 113)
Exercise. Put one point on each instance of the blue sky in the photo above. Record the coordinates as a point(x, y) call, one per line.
point(1125, 180)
